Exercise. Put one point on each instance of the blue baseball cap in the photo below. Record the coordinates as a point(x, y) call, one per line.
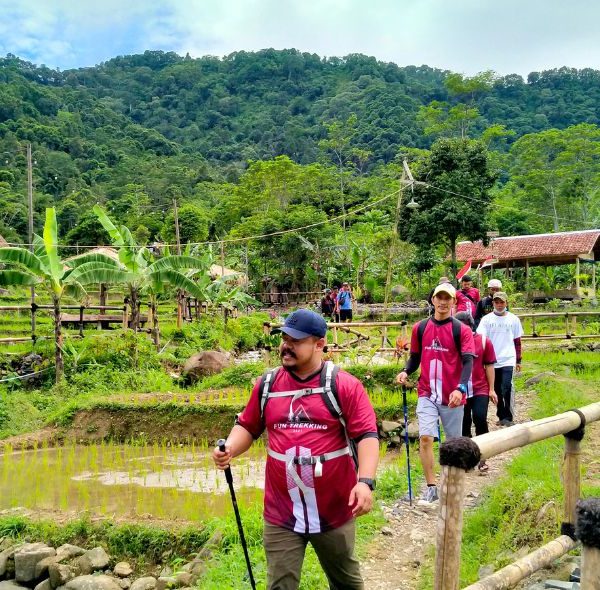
point(302, 324)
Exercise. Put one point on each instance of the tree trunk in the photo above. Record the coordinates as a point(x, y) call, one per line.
point(155, 326)
point(453, 252)
point(135, 309)
point(58, 339)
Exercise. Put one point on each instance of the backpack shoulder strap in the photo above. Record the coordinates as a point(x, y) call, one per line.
point(266, 382)
point(328, 383)
point(456, 330)
point(420, 331)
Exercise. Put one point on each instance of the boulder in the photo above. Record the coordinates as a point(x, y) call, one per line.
point(93, 560)
point(60, 574)
point(147, 583)
point(44, 585)
point(390, 426)
point(185, 579)
point(67, 551)
point(413, 430)
point(98, 582)
point(123, 569)
point(11, 585)
point(539, 377)
point(125, 583)
point(41, 567)
point(205, 363)
point(26, 559)
point(7, 562)
point(165, 582)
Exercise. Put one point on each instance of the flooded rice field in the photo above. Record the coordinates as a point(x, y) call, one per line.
point(159, 481)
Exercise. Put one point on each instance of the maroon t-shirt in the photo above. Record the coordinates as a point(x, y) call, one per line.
point(463, 303)
point(478, 384)
point(313, 431)
point(441, 362)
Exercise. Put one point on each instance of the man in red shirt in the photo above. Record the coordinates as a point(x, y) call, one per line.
point(480, 388)
point(443, 348)
point(312, 492)
point(468, 296)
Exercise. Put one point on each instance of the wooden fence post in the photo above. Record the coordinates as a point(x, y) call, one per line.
point(571, 478)
point(457, 455)
point(588, 532)
point(125, 318)
point(267, 332)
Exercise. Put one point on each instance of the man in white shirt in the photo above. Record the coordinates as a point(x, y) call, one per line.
point(504, 331)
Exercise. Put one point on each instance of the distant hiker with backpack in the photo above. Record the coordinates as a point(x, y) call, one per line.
point(327, 305)
point(321, 429)
point(344, 303)
point(467, 297)
point(504, 330)
point(443, 348)
point(480, 388)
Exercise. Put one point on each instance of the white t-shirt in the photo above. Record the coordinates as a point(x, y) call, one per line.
point(502, 330)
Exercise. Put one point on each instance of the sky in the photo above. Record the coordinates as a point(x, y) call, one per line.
point(467, 36)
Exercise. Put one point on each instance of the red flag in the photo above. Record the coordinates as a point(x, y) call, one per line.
point(464, 270)
point(488, 262)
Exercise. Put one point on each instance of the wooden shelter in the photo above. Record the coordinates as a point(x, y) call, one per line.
point(554, 249)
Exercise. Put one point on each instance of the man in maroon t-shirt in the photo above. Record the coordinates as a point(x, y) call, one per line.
point(467, 297)
point(443, 349)
point(312, 491)
point(481, 384)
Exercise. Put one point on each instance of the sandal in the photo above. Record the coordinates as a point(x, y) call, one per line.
point(483, 467)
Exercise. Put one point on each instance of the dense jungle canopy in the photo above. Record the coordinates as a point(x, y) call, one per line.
point(256, 143)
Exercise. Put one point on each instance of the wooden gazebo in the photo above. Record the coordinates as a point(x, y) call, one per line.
point(554, 249)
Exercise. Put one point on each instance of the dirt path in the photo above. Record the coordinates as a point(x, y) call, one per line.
point(396, 555)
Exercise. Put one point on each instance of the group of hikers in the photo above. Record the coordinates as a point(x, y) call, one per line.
point(336, 303)
point(323, 447)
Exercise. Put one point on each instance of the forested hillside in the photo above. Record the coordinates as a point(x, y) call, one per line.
point(255, 143)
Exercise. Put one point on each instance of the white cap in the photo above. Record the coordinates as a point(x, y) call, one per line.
point(495, 283)
point(446, 288)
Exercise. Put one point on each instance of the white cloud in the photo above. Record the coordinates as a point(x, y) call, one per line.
point(464, 35)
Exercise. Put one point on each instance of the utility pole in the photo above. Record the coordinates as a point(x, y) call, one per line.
point(30, 233)
point(178, 242)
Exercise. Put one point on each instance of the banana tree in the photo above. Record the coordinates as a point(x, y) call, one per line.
point(43, 268)
point(137, 268)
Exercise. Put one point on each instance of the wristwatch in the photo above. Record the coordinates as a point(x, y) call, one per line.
point(462, 388)
point(368, 481)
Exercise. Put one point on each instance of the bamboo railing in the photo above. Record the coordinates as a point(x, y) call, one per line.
point(461, 454)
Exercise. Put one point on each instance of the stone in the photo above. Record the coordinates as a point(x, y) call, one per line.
point(97, 582)
point(485, 571)
point(539, 377)
point(165, 582)
point(390, 426)
point(396, 440)
point(7, 564)
point(41, 568)
point(184, 579)
point(60, 573)
point(166, 571)
point(125, 583)
point(93, 560)
point(560, 585)
point(44, 585)
point(123, 569)
point(147, 583)
point(26, 559)
point(387, 531)
point(202, 364)
point(11, 585)
point(67, 551)
point(413, 430)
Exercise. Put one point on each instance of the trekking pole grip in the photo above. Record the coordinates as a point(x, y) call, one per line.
point(221, 445)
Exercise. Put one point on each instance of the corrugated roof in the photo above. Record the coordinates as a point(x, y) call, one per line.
point(551, 246)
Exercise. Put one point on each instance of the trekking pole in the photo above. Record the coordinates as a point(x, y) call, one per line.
point(229, 478)
point(405, 405)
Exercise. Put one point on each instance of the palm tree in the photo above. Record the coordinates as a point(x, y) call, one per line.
point(43, 268)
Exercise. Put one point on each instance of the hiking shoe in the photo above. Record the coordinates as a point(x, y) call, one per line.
point(430, 494)
point(483, 467)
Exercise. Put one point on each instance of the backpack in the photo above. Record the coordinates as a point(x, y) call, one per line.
point(327, 389)
point(456, 330)
point(344, 296)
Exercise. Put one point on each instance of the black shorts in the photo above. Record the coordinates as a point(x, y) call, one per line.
point(345, 314)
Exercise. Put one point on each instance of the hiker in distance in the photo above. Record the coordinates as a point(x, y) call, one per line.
point(467, 297)
point(321, 428)
point(486, 305)
point(443, 348)
point(480, 388)
point(504, 331)
point(344, 303)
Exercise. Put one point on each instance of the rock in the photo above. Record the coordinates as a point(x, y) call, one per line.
point(185, 579)
point(198, 564)
point(67, 551)
point(60, 574)
point(389, 426)
point(11, 585)
point(396, 440)
point(539, 377)
point(125, 583)
point(387, 531)
point(7, 564)
point(205, 363)
point(559, 585)
point(98, 582)
point(26, 559)
point(413, 430)
point(147, 583)
point(166, 571)
point(45, 585)
point(123, 569)
point(165, 582)
point(41, 567)
point(93, 560)
point(485, 571)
